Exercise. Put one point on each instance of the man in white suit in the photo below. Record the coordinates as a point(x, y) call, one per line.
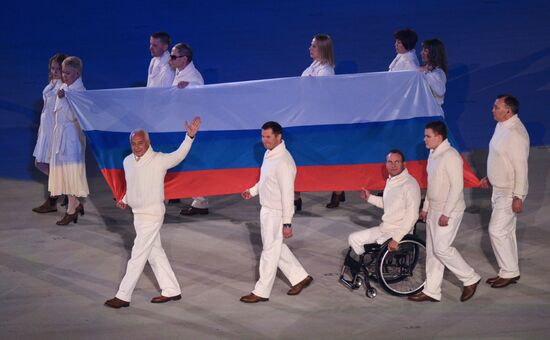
point(507, 174)
point(443, 211)
point(276, 190)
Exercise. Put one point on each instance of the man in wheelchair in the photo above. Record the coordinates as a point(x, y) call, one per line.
point(401, 202)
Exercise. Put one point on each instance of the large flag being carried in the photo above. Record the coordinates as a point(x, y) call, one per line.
point(338, 129)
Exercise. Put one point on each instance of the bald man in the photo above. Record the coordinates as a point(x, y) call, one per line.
point(144, 171)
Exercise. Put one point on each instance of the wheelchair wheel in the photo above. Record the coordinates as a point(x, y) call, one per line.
point(371, 292)
point(402, 272)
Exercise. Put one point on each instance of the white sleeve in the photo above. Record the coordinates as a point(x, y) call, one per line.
point(436, 80)
point(377, 201)
point(170, 160)
point(254, 190)
point(455, 175)
point(519, 154)
point(410, 215)
point(286, 174)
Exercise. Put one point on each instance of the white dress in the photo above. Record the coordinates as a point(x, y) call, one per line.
point(67, 167)
point(47, 122)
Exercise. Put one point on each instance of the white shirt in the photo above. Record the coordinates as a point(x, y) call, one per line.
point(276, 184)
point(316, 69)
point(404, 62)
point(508, 154)
point(400, 201)
point(437, 81)
point(160, 74)
point(145, 178)
point(445, 180)
point(189, 74)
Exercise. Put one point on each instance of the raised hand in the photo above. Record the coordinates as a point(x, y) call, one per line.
point(193, 127)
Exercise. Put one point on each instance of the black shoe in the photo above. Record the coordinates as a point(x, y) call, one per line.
point(335, 200)
point(174, 201)
point(49, 206)
point(193, 211)
point(298, 204)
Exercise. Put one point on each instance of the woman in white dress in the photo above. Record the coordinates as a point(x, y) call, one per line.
point(405, 42)
point(47, 121)
point(322, 52)
point(434, 60)
point(67, 167)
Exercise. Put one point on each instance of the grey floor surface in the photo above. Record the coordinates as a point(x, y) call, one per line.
point(54, 280)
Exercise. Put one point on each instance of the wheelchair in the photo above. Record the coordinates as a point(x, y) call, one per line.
point(400, 273)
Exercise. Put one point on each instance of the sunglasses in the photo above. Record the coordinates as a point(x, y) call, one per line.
point(174, 57)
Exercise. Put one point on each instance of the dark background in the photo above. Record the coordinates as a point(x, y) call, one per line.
point(493, 47)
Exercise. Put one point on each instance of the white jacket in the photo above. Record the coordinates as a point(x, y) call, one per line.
point(160, 73)
point(316, 69)
point(508, 154)
point(47, 122)
point(145, 178)
point(437, 81)
point(407, 61)
point(276, 184)
point(401, 202)
point(445, 181)
point(189, 74)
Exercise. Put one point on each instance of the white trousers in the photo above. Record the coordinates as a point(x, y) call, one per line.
point(147, 247)
point(440, 254)
point(275, 254)
point(200, 202)
point(358, 239)
point(502, 231)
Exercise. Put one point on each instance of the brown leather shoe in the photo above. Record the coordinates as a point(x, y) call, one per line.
point(251, 298)
point(116, 303)
point(49, 206)
point(163, 299)
point(68, 218)
point(296, 289)
point(502, 282)
point(421, 297)
point(469, 291)
point(492, 280)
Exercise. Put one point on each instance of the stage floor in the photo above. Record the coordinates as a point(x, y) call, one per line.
point(54, 280)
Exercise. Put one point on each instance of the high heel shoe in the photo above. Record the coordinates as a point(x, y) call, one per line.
point(298, 204)
point(68, 218)
point(335, 200)
point(79, 209)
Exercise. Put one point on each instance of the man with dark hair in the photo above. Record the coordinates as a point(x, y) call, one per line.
point(443, 211)
point(276, 190)
point(406, 59)
point(400, 201)
point(507, 173)
point(160, 72)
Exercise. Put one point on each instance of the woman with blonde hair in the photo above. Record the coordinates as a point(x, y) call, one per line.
point(45, 130)
point(67, 166)
point(322, 52)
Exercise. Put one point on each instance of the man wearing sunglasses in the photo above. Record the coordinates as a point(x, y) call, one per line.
point(181, 59)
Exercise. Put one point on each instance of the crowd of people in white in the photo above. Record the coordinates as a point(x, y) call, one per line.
point(60, 150)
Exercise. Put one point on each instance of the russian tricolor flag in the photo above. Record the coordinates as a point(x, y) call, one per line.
point(338, 129)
